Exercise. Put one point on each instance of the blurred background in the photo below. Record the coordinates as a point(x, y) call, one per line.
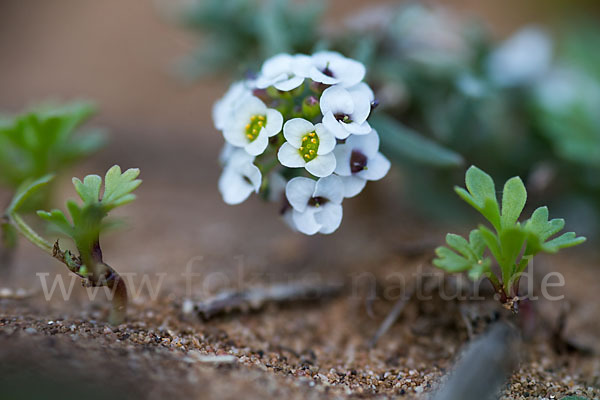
point(452, 90)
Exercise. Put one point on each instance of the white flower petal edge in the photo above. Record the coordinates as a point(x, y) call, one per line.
point(353, 185)
point(359, 159)
point(316, 204)
point(329, 218)
point(239, 178)
point(245, 116)
point(299, 191)
point(332, 68)
point(299, 150)
point(345, 110)
point(295, 129)
point(305, 221)
point(322, 166)
point(223, 109)
point(284, 71)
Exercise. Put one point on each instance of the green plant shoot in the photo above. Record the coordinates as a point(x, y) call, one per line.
point(512, 244)
point(36, 143)
point(87, 221)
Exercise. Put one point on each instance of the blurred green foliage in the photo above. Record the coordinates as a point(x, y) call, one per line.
point(449, 94)
point(45, 140)
point(240, 34)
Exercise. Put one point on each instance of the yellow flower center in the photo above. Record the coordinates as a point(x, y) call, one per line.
point(253, 128)
point(310, 146)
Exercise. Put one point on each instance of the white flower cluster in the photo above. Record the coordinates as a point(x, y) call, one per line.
point(298, 133)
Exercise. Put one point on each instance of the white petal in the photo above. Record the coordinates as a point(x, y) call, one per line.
point(223, 108)
point(233, 187)
point(258, 145)
point(301, 65)
point(358, 129)
point(366, 144)
point(239, 157)
point(299, 191)
point(343, 153)
point(377, 168)
point(295, 129)
point(235, 133)
point(348, 71)
point(321, 166)
point(277, 65)
point(318, 76)
point(334, 126)
point(289, 84)
point(252, 173)
point(331, 188)
point(362, 97)
point(337, 100)
point(248, 107)
point(289, 156)
point(305, 221)
point(226, 153)
point(329, 217)
point(353, 185)
point(326, 139)
point(274, 122)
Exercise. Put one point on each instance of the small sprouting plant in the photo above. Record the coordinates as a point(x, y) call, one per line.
point(87, 221)
point(42, 141)
point(512, 244)
point(299, 133)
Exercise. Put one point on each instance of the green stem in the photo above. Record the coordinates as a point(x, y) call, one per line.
point(30, 234)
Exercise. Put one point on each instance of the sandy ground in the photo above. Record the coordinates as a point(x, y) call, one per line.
point(119, 53)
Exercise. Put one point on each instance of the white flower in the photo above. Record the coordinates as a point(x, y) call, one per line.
point(224, 107)
point(284, 71)
point(345, 111)
point(251, 125)
point(317, 205)
point(309, 146)
point(239, 178)
point(332, 68)
point(521, 59)
point(359, 161)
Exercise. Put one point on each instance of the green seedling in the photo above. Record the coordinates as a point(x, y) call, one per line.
point(512, 244)
point(87, 222)
point(39, 142)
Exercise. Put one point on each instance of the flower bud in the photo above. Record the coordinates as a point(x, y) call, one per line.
point(311, 108)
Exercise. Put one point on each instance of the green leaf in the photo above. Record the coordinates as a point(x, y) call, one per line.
point(514, 197)
point(481, 195)
point(87, 220)
point(400, 142)
point(44, 140)
point(89, 189)
point(564, 241)
point(539, 230)
point(58, 219)
point(467, 255)
point(118, 187)
point(25, 191)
